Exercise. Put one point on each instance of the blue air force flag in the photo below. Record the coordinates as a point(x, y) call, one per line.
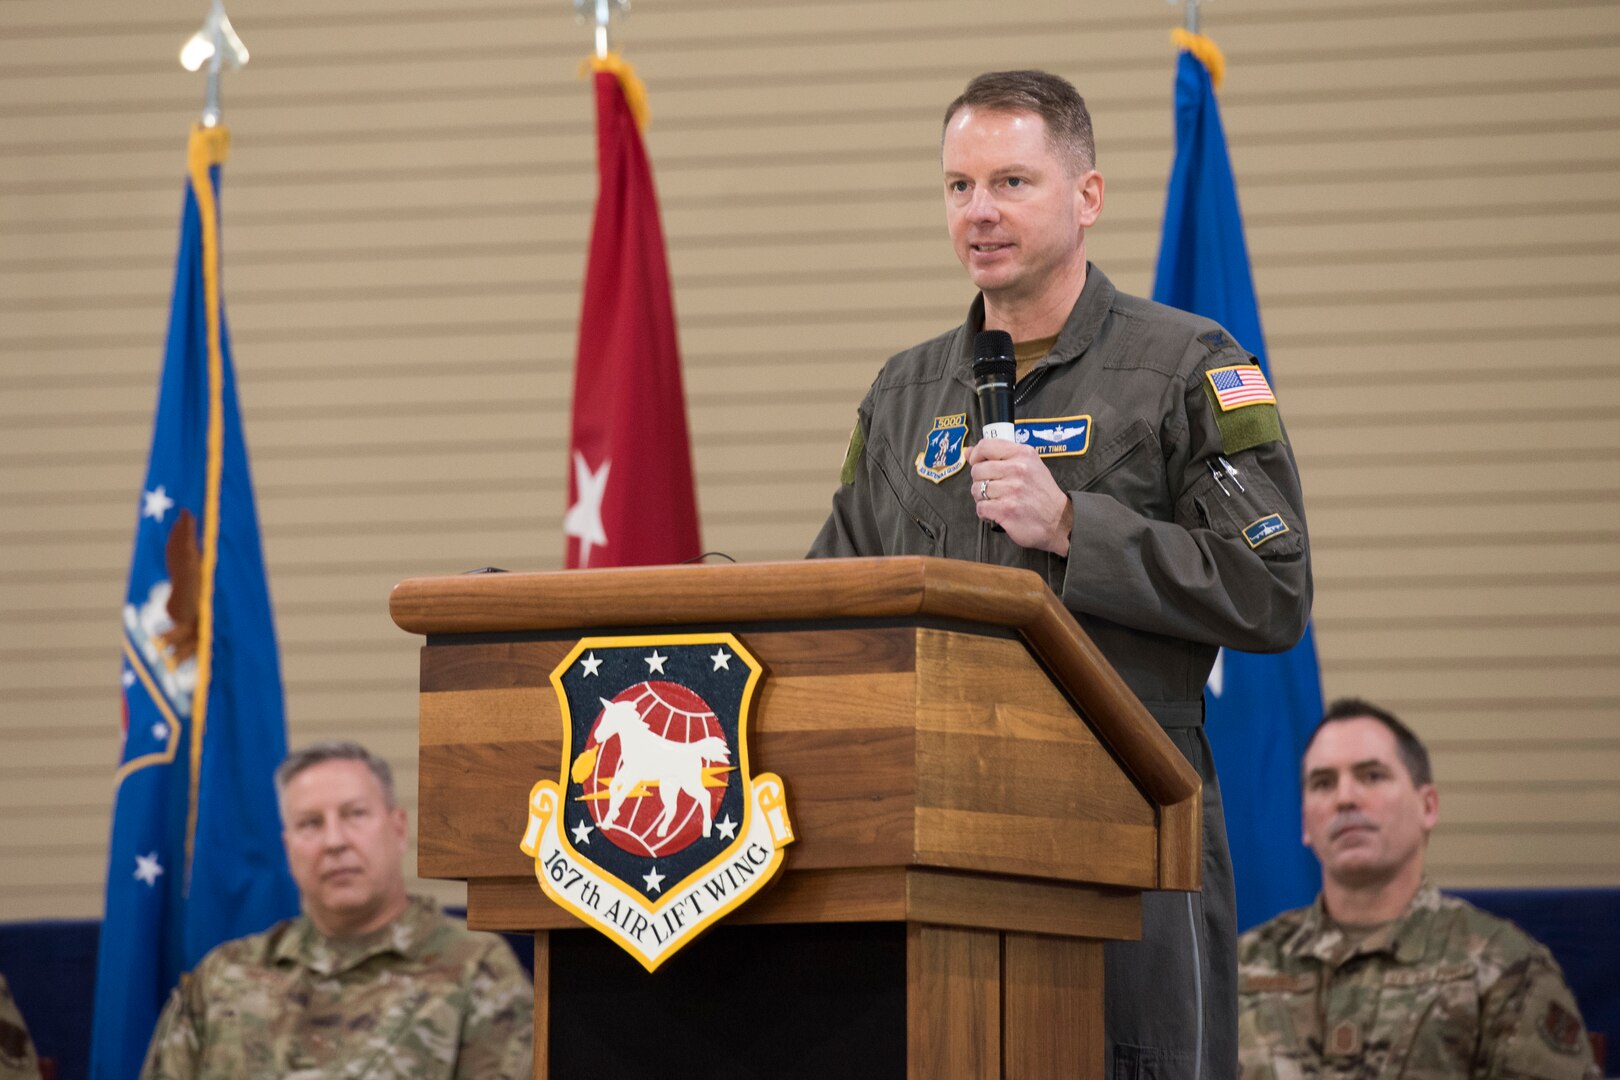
point(1260, 709)
point(196, 855)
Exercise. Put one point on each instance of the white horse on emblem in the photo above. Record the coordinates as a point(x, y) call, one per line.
point(645, 758)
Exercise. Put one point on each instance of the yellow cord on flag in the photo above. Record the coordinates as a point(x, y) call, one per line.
point(209, 146)
point(1207, 52)
point(635, 91)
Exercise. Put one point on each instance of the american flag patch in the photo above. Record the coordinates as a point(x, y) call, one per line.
point(1240, 385)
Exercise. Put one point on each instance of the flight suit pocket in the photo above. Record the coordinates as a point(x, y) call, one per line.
point(1128, 467)
point(1246, 505)
point(909, 525)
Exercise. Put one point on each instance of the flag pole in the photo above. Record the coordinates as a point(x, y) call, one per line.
point(216, 45)
point(1189, 14)
point(601, 11)
point(628, 392)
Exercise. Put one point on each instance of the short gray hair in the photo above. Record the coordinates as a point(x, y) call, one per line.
point(1051, 97)
point(335, 750)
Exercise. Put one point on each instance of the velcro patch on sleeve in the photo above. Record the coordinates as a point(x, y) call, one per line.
point(1267, 528)
point(852, 456)
point(1244, 426)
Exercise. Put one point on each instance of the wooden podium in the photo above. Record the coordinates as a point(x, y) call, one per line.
point(957, 755)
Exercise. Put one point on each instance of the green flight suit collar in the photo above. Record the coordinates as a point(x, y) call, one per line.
point(1090, 310)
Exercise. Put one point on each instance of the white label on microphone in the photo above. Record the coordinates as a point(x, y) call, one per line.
point(1003, 430)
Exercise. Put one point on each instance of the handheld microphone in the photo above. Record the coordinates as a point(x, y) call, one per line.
point(994, 372)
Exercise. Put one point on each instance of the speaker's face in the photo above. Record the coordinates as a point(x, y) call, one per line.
point(1016, 213)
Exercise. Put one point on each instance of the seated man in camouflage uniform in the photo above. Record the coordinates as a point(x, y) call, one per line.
point(18, 1060)
point(1383, 976)
point(368, 981)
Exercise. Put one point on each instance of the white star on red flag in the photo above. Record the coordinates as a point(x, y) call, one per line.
point(584, 519)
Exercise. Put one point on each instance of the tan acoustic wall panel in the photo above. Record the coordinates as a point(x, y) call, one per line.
point(1428, 188)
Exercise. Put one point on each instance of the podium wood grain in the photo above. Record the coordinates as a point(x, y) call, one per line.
point(957, 756)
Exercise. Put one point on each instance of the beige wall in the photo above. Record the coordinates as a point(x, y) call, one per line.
point(1429, 192)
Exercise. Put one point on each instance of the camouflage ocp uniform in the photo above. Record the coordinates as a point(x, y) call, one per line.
point(1444, 991)
point(423, 997)
point(17, 1058)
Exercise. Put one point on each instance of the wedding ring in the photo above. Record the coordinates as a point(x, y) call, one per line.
point(984, 490)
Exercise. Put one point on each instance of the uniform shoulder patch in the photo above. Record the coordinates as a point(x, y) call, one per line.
point(852, 456)
point(1560, 1028)
point(1267, 528)
point(1245, 408)
point(1239, 386)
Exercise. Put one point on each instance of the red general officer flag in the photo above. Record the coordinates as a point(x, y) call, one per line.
point(630, 493)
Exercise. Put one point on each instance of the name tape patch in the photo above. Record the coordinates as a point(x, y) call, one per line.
point(1056, 436)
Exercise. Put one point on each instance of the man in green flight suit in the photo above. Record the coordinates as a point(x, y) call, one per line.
point(1383, 976)
point(368, 981)
point(1150, 483)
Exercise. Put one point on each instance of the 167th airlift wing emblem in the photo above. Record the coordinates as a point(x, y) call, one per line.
point(656, 827)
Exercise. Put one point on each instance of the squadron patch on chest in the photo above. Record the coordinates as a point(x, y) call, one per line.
point(943, 454)
point(1058, 436)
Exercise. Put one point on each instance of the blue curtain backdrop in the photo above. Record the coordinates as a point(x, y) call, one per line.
point(196, 856)
point(1260, 709)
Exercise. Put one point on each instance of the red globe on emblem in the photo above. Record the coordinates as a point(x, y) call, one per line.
point(654, 789)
